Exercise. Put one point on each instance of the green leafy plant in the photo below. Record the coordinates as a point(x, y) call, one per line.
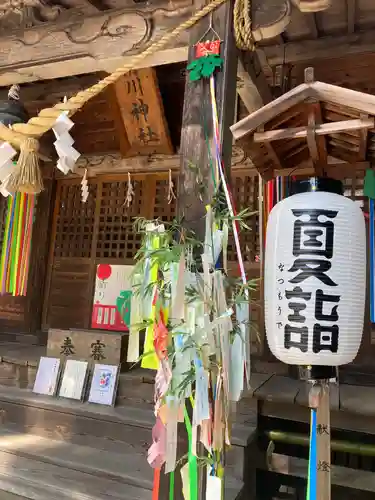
point(204, 67)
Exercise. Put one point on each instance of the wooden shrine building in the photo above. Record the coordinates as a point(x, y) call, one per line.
point(144, 127)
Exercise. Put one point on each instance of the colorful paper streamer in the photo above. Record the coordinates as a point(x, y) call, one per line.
point(16, 248)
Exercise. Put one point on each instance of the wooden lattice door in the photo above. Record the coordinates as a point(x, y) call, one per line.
point(99, 231)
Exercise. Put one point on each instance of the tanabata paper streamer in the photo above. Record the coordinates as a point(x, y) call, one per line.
point(16, 250)
point(197, 335)
point(150, 359)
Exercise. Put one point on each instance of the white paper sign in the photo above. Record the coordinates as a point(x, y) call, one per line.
point(47, 376)
point(74, 378)
point(103, 384)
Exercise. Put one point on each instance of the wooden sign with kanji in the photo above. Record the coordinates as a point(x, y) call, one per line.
point(142, 112)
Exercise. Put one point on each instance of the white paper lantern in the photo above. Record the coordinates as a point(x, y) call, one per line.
point(315, 279)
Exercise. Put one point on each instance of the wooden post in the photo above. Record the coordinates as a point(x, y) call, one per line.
point(197, 133)
point(319, 398)
point(324, 444)
point(197, 122)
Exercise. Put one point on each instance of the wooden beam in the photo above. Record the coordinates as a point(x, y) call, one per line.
point(142, 113)
point(351, 15)
point(323, 48)
point(271, 110)
point(315, 110)
point(101, 42)
point(252, 85)
point(310, 6)
point(363, 140)
point(359, 101)
point(269, 173)
point(312, 24)
point(311, 142)
point(322, 129)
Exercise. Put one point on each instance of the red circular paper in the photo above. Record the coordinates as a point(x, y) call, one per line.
point(104, 271)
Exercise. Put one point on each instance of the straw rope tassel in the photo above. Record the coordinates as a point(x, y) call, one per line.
point(26, 176)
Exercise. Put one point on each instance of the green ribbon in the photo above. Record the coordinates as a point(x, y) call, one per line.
point(171, 485)
point(192, 460)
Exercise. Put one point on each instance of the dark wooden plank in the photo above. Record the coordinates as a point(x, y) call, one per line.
point(339, 419)
point(341, 476)
point(279, 389)
point(357, 399)
point(256, 381)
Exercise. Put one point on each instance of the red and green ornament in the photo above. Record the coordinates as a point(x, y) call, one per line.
point(207, 60)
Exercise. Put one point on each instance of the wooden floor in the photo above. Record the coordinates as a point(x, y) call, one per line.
point(52, 448)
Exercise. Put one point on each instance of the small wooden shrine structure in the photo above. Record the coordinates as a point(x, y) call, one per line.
point(315, 129)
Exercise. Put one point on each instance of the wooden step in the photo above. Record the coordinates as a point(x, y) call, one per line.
point(128, 467)
point(78, 423)
point(37, 480)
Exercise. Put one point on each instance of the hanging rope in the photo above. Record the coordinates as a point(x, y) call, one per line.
point(242, 25)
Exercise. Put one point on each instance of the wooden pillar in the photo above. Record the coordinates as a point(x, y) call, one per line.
point(196, 186)
point(39, 255)
point(197, 121)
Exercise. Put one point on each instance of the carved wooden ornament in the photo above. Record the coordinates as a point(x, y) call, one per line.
point(269, 19)
point(312, 5)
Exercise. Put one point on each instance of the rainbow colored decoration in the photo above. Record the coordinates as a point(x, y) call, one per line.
point(16, 249)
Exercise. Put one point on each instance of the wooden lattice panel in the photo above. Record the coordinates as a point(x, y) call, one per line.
point(353, 188)
point(163, 210)
point(245, 193)
point(75, 221)
point(116, 236)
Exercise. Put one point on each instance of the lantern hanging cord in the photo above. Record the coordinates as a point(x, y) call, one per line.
point(44, 121)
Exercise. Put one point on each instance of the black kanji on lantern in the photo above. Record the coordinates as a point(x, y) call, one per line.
point(67, 347)
point(311, 268)
point(322, 297)
point(97, 350)
point(325, 338)
point(313, 240)
point(306, 233)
